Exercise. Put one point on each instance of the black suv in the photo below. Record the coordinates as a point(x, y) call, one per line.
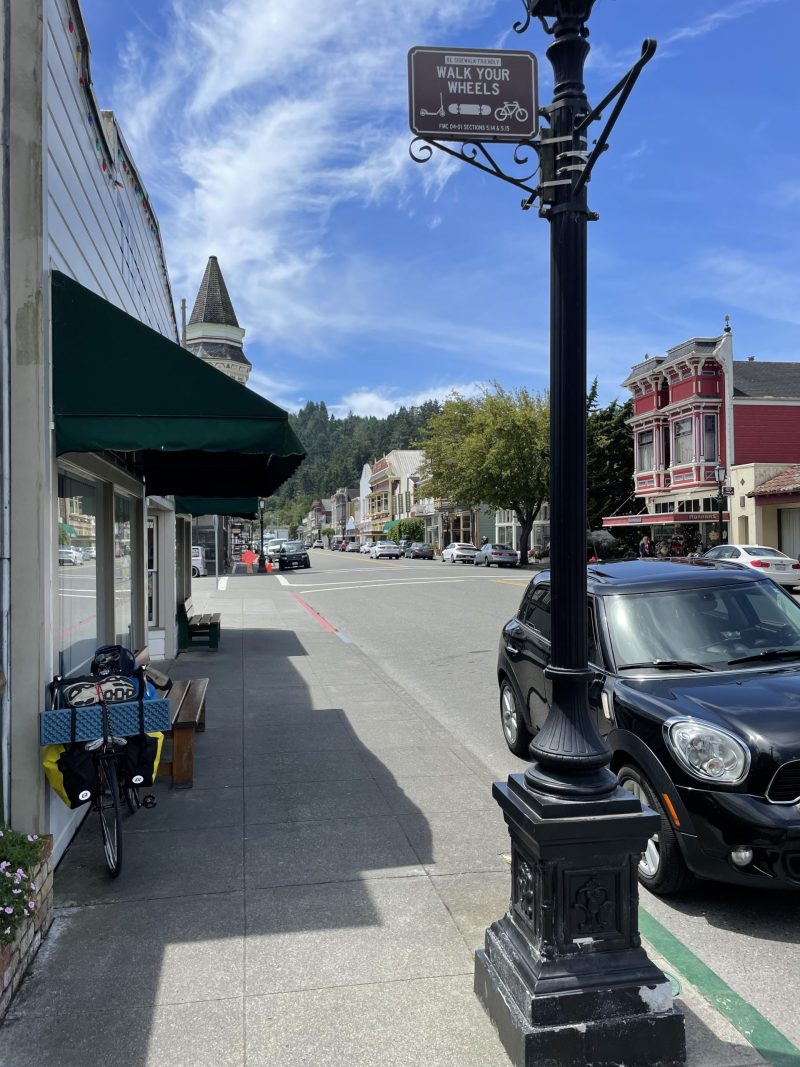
point(697, 692)
point(293, 554)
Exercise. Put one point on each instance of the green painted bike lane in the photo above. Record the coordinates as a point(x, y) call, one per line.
point(766, 1039)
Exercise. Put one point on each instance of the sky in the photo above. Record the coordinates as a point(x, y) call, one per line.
point(274, 135)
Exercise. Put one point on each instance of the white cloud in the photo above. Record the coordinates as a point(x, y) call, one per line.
point(754, 284)
point(382, 402)
point(254, 120)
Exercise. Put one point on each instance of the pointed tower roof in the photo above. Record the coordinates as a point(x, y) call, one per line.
point(213, 304)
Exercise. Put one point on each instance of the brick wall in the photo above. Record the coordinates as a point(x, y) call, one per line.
point(16, 957)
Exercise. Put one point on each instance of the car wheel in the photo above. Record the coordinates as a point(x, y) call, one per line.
point(195, 572)
point(306, 565)
point(517, 735)
point(662, 868)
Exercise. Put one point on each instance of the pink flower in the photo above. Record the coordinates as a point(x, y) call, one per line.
point(16, 892)
point(32, 904)
point(33, 837)
point(4, 864)
point(8, 911)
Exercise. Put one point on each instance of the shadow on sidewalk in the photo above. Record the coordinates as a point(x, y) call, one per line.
point(285, 866)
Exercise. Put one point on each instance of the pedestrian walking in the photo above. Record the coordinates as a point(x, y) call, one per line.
point(645, 548)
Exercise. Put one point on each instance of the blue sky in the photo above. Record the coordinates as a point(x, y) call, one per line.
point(273, 134)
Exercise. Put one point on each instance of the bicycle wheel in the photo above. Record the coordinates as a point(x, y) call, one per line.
point(131, 795)
point(110, 817)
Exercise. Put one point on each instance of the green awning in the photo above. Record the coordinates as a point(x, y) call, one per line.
point(390, 524)
point(245, 507)
point(122, 387)
point(68, 529)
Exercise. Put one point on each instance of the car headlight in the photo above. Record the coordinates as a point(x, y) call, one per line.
point(708, 753)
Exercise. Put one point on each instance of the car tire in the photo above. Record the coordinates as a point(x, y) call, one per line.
point(195, 572)
point(662, 868)
point(516, 733)
point(306, 566)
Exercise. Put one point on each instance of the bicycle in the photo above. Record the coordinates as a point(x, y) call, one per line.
point(110, 786)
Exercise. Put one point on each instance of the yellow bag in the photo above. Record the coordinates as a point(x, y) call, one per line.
point(72, 772)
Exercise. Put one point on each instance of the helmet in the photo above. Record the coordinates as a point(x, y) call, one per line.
point(113, 659)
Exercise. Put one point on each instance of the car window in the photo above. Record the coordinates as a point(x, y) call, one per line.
point(536, 611)
point(595, 655)
point(760, 550)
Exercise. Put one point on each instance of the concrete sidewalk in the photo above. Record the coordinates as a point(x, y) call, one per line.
point(314, 899)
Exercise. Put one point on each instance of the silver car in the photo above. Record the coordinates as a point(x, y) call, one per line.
point(390, 549)
point(497, 555)
point(459, 552)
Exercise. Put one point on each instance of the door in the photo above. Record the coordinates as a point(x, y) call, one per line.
point(535, 654)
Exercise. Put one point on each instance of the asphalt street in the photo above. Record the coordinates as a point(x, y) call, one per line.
point(434, 629)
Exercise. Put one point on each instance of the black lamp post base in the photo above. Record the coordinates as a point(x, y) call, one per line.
point(563, 976)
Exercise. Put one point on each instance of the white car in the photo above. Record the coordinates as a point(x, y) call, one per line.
point(67, 555)
point(273, 549)
point(318, 543)
point(776, 565)
point(366, 548)
point(497, 555)
point(390, 549)
point(459, 552)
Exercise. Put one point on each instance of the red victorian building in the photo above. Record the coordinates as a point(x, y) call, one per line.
point(701, 417)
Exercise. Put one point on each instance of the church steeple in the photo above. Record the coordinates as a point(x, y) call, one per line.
point(213, 332)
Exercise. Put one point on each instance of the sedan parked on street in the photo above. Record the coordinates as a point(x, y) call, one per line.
point(69, 556)
point(293, 554)
point(418, 550)
point(352, 546)
point(459, 552)
point(776, 565)
point(387, 549)
point(366, 548)
point(496, 555)
point(318, 543)
point(697, 692)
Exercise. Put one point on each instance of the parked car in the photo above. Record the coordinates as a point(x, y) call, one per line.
point(366, 548)
point(697, 692)
point(273, 548)
point(776, 565)
point(343, 546)
point(352, 546)
point(389, 549)
point(292, 554)
point(199, 569)
point(459, 552)
point(69, 556)
point(335, 543)
point(418, 550)
point(318, 543)
point(404, 543)
point(497, 555)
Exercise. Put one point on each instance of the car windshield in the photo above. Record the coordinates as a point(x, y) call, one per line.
point(715, 627)
point(294, 546)
point(499, 548)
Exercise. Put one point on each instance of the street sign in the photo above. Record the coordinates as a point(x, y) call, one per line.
point(472, 94)
point(728, 490)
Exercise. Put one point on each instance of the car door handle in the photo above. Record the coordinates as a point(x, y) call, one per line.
point(512, 650)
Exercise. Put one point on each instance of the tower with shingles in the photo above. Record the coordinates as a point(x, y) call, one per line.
point(213, 332)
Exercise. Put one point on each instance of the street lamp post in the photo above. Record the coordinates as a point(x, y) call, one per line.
point(563, 975)
point(262, 561)
point(720, 474)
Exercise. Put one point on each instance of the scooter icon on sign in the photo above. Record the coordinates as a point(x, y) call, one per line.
point(440, 112)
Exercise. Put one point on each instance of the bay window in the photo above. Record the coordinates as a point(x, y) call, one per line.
point(710, 437)
point(644, 450)
point(683, 451)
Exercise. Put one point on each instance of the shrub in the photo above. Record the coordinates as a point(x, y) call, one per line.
point(19, 854)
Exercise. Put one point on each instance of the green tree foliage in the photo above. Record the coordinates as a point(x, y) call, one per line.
point(491, 449)
point(413, 528)
point(337, 449)
point(609, 455)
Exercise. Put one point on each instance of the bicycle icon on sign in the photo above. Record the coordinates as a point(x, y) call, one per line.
point(511, 109)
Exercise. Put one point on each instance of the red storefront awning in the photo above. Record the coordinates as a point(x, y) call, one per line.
point(668, 518)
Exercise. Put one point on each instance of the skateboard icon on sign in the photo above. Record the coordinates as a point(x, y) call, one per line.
point(469, 109)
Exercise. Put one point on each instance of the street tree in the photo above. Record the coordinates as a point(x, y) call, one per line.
point(491, 449)
point(609, 457)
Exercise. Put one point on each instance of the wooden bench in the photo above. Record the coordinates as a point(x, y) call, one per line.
point(187, 702)
point(197, 629)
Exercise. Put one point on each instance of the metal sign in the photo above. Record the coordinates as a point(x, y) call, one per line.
point(728, 490)
point(472, 94)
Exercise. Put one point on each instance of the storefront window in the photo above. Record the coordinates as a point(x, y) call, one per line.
point(76, 635)
point(123, 571)
point(152, 573)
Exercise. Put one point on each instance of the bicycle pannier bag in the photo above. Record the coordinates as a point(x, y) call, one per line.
point(72, 772)
point(140, 758)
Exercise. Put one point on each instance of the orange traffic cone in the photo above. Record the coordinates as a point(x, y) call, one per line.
point(269, 567)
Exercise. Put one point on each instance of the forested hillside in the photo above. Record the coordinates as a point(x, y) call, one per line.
point(337, 449)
